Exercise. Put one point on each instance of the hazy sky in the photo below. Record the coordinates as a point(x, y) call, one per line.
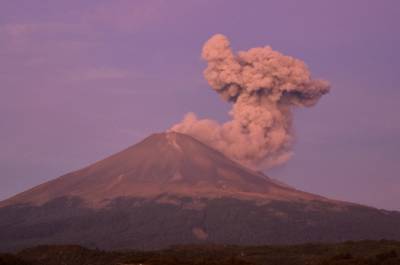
point(80, 80)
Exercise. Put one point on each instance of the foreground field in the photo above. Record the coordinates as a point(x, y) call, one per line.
point(347, 253)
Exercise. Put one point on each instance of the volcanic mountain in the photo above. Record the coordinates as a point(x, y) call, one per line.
point(165, 163)
point(172, 189)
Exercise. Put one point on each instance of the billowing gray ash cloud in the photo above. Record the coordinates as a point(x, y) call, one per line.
point(263, 85)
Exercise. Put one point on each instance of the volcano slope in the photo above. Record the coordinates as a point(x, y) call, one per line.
point(171, 189)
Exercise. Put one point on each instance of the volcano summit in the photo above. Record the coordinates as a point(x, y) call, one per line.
point(172, 189)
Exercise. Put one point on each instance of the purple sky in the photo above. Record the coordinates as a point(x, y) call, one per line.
point(80, 80)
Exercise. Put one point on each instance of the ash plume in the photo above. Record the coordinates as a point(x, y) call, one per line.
point(263, 86)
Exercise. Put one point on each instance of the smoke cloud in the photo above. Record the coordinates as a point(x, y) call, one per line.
point(263, 85)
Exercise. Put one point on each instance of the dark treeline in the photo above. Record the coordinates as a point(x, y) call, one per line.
point(347, 253)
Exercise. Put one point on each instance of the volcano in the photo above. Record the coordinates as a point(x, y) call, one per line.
point(166, 163)
point(172, 189)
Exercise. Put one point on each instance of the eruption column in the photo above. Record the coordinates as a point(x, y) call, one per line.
point(263, 86)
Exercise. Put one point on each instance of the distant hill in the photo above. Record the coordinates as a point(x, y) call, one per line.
point(172, 189)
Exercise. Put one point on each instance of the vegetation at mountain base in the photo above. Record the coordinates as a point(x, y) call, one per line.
point(347, 253)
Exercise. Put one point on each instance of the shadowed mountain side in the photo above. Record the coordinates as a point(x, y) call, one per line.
point(150, 224)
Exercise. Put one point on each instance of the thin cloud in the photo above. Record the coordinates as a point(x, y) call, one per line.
point(16, 30)
point(101, 73)
point(125, 15)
